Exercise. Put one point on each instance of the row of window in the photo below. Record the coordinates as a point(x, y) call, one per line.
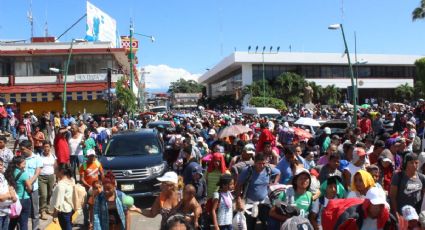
point(327, 71)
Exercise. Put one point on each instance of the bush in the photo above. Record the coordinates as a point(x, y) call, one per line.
point(269, 102)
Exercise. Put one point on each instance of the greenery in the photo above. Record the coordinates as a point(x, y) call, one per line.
point(404, 92)
point(419, 12)
point(268, 102)
point(289, 87)
point(419, 88)
point(185, 86)
point(126, 100)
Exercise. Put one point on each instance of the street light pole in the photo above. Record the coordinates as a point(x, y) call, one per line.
point(131, 56)
point(350, 66)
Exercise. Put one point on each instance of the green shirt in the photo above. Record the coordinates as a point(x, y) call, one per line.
point(212, 178)
point(20, 184)
point(303, 202)
point(89, 144)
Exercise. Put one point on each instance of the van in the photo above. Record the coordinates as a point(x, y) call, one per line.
point(261, 112)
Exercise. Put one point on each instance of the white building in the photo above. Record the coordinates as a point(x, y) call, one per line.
point(375, 71)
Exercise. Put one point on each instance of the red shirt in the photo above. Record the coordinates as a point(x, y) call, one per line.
point(366, 125)
point(61, 149)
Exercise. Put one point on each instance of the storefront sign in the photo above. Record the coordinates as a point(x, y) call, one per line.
point(90, 77)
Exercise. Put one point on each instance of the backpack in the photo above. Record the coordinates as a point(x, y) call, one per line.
point(78, 196)
point(249, 177)
point(102, 137)
point(417, 144)
point(335, 209)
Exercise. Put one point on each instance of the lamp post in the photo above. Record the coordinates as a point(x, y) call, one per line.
point(64, 96)
point(263, 64)
point(350, 66)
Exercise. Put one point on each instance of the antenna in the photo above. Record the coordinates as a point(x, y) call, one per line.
point(31, 19)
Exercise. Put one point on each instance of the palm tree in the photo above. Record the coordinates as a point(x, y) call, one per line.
point(125, 97)
point(317, 91)
point(331, 94)
point(419, 12)
point(404, 92)
point(289, 87)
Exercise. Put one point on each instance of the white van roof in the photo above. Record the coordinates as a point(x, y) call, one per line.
point(260, 111)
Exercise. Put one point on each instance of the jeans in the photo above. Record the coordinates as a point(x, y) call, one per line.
point(4, 222)
point(22, 220)
point(45, 183)
point(12, 130)
point(76, 161)
point(65, 220)
point(263, 215)
point(35, 210)
point(225, 227)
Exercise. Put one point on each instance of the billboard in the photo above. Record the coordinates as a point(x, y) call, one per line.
point(100, 26)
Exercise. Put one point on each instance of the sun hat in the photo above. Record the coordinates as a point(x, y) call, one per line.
point(169, 177)
point(212, 132)
point(376, 196)
point(409, 213)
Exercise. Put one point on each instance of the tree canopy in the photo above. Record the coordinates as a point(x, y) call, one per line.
point(419, 12)
point(126, 100)
point(185, 86)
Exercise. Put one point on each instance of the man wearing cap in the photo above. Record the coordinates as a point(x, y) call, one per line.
point(3, 118)
point(325, 140)
point(245, 159)
point(411, 216)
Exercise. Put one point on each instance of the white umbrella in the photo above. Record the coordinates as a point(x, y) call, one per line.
point(306, 121)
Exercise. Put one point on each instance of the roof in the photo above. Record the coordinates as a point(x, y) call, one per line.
point(237, 59)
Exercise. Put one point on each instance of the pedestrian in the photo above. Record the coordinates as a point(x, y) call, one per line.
point(331, 168)
point(75, 148)
point(13, 123)
point(289, 163)
point(167, 199)
point(5, 153)
point(95, 190)
point(7, 197)
point(21, 136)
point(33, 165)
point(22, 182)
point(200, 184)
point(252, 186)
point(38, 138)
point(47, 178)
point(109, 212)
point(190, 166)
point(3, 119)
point(62, 147)
point(88, 142)
point(407, 186)
point(189, 207)
point(222, 204)
point(62, 197)
point(362, 182)
point(216, 168)
point(357, 163)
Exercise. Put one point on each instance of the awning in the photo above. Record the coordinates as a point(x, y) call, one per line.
point(44, 97)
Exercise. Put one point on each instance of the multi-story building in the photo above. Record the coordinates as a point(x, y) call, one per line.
point(185, 100)
point(26, 78)
point(378, 74)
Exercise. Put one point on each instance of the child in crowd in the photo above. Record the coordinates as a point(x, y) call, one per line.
point(222, 205)
point(94, 191)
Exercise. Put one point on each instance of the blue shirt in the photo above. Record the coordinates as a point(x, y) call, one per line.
point(257, 188)
point(32, 163)
point(285, 168)
point(101, 214)
point(188, 172)
point(20, 184)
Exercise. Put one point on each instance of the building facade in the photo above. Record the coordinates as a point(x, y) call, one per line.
point(185, 100)
point(26, 78)
point(374, 71)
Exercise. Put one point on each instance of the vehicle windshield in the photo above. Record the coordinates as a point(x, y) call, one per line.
point(132, 145)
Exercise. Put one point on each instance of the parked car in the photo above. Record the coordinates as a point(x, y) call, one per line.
point(136, 158)
point(166, 124)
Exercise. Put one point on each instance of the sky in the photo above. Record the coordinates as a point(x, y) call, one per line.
point(194, 35)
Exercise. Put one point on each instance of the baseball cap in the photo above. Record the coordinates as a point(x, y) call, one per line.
point(297, 223)
point(91, 152)
point(197, 170)
point(327, 130)
point(212, 132)
point(249, 148)
point(376, 196)
point(169, 177)
point(300, 171)
point(409, 213)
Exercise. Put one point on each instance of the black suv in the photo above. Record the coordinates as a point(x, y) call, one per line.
point(136, 160)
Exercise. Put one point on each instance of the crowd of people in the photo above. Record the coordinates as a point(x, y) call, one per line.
point(269, 176)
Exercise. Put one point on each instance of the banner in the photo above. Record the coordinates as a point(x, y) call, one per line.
point(100, 26)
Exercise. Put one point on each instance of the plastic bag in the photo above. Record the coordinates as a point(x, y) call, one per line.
point(239, 221)
point(15, 209)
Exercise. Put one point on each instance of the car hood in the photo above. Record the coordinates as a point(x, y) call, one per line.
point(130, 162)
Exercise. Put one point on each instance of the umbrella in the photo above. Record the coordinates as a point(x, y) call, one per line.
point(302, 134)
point(365, 106)
point(233, 130)
point(306, 121)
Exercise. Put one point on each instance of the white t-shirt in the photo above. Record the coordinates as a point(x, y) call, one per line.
point(369, 224)
point(75, 146)
point(48, 165)
point(352, 169)
point(4, 188)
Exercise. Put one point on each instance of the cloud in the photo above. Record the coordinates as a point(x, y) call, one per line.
point(160, 76)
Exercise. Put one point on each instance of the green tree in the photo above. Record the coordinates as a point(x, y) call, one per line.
point(331, 95)
point(420, 77)
point(419, 89)
point(270, 102)
point(257, 89)
point(404, 92)
point(125, 98)
point(185, 86)
point(419, 12)
point(290, 87)
point(317, 91)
